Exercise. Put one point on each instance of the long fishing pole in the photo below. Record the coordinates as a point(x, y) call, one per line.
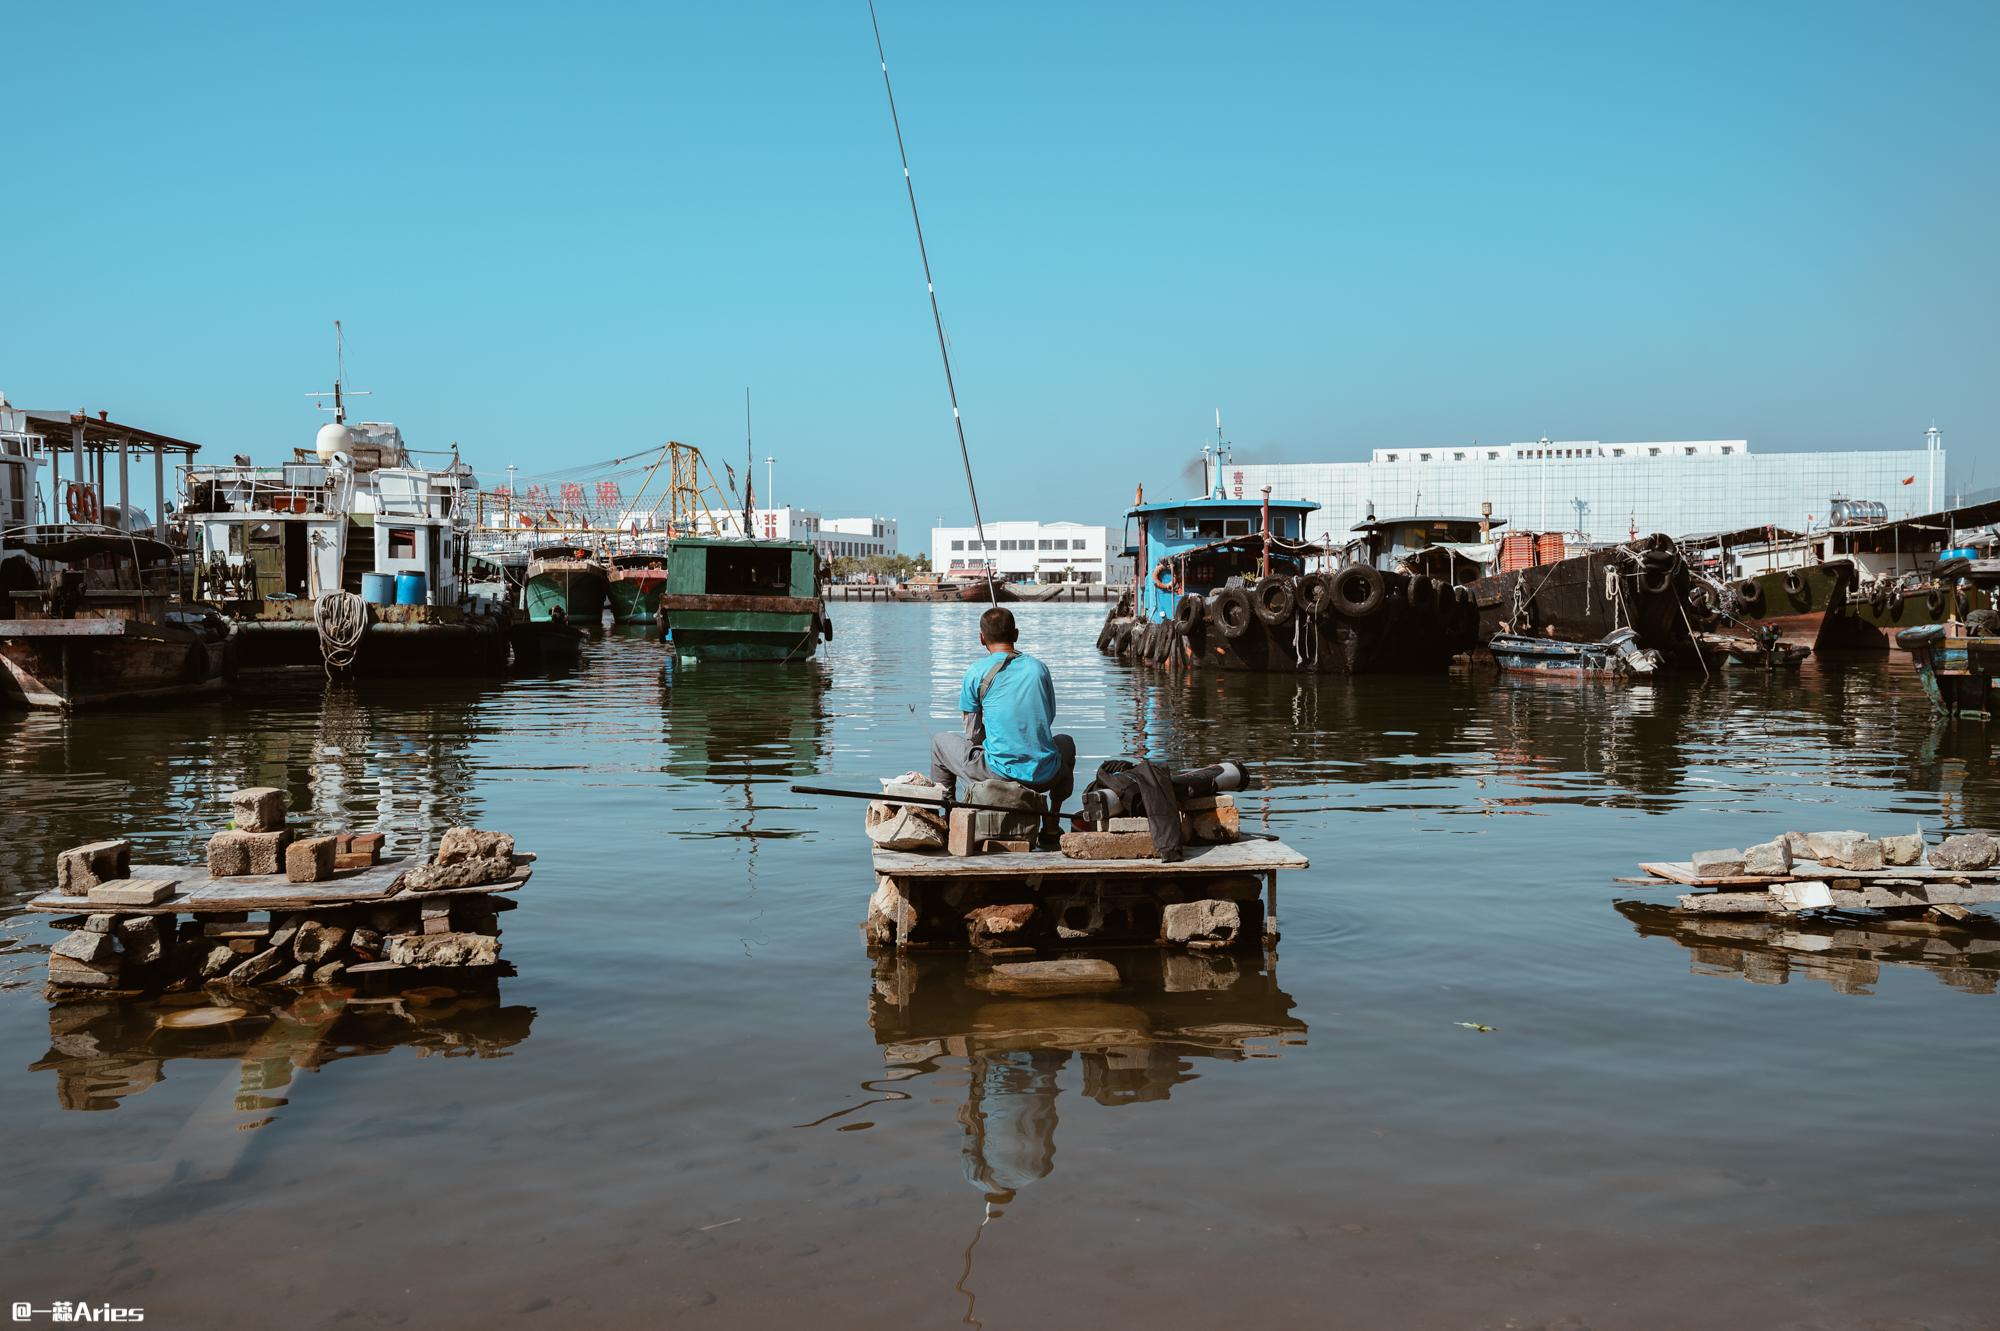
point(944, 348)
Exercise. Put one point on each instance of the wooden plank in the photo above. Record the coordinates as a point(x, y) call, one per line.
point(1873, 897)
point(199, 892)
point(62, 628)
point(1248, 856)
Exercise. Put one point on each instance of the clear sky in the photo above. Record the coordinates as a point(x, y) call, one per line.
point(561, 233)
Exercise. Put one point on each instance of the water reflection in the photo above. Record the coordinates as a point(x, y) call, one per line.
point(1132, 1046)
point(1846, 952)
point(103, 1052)
point(728, 723)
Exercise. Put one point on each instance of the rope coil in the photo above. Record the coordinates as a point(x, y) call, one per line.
point(341, 618)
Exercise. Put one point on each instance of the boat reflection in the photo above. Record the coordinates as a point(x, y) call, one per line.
point(729, 723)
point(1133, 1045)
point(103, 1052)
point(1846, 952)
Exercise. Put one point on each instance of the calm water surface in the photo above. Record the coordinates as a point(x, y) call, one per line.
point(698, 1102)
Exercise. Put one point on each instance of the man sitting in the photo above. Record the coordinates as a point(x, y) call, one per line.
point(1009, 704)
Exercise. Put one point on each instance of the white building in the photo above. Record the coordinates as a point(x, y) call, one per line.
point(1605, 491)
point(856, 538)
point(1022, 551)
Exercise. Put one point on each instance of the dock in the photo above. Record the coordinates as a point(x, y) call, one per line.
point(1016, 902)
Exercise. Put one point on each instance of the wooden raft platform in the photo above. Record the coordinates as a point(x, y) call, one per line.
point(196, 892)
point(1901, 887)
point(1233, 857)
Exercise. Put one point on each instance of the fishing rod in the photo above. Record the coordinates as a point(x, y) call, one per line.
point(930, 801)
point(944, 348)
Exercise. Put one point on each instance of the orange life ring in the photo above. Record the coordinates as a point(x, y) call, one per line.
point(82, 503)
point(1163, 577)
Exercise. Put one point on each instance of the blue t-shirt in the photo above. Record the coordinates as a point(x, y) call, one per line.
point(1020, 712)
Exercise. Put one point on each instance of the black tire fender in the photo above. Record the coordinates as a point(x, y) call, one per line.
point(1231, 612)
point(1358, 590)
point(1274, 600)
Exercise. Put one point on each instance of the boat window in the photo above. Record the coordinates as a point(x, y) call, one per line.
point(1210, 527)
point(749, 572)
point(402, 542)
point(1236, 527)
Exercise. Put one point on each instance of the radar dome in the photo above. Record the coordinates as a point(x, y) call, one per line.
point(333, 438)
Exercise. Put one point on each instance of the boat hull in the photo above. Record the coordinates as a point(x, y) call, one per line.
point(635, 595)
point(67, 664)
point(578, 592)
point(772, 629)
point(1568, 600)
point(1958, 670)
point(1872, 625)
point(1797, 602)
point(399, 641)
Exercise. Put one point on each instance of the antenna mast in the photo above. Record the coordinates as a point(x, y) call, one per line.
point(339, 407)
point(944, 349)
point(749, 464)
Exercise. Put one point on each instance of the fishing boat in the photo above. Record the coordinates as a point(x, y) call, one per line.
point(1544, 591)
point(349, 559)
point(929, 587)
point(1959, 665)
point(1766, 577)
point(569, 578)
point(737, 600)
point(1764, 652)
point(634, 584)
point(104, 629)
point(1618, 655)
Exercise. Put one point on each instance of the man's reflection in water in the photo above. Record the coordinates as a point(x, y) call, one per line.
point(1009, 1117)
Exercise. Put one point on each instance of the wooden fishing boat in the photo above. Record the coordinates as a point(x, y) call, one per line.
point(1618, 655)
point(94, 634)
point(570, 578)
point(736, 600)
point(1584, 597)
point(1958, 666)
point(1794, 601)
point(634, 583)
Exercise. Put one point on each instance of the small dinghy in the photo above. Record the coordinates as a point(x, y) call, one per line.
point(1763, 652)
point(1617, 656)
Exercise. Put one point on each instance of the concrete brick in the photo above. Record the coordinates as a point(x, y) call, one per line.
point(469, 843)
point(309, 860)
point(258, 809)
point(1718, 864)
point(1209, 923)
point(81, 868)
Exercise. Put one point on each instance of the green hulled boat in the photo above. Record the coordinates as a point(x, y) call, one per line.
point(567, 578)
point(636, 582)
point(736, 600)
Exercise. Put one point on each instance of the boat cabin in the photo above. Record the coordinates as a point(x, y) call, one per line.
point(1455, 549)
point(703, 566)
point(1198, 545)
point(308, 527)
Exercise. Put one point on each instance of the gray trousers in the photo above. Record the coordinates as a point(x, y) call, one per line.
point(955, 758)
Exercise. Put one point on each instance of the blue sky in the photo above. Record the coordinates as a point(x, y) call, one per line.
point(557, 234)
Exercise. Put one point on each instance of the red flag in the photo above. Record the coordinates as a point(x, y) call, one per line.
point(1909, 480)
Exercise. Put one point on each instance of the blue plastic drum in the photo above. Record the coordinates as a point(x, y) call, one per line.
point(410, 588)
point(378, 588)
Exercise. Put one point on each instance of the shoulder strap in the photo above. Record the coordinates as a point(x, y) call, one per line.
point(987, 682)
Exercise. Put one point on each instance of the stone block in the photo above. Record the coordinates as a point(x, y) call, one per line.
point(309, 860)
point(370, 844)
point(232, 854)
point(316, 941)
point(140, 939)
point(218, 959)
point(260, 966)
point(1209, 923)
point(1966, 851)
point(1000, 926)
point(357, 859)
point(296, 975)
point(1067, 975)
point(133, 892)
point(1108, 846)
point(367, 944)
point(1213, 827)
point(1801, 847)
point(892, 914)
point(99, 924)
point(1903, 850)
point(343, 843)
point(461, 844)
point(258, 809)
point(1768, 858)
point(81, 868)
point(83, 974)
point(1846, 850)
point(328, 973)
point(1718, 863)
point(443, 950)
point(958, 839)
point(459, 873)
point(84, 946)
point(245, 946)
